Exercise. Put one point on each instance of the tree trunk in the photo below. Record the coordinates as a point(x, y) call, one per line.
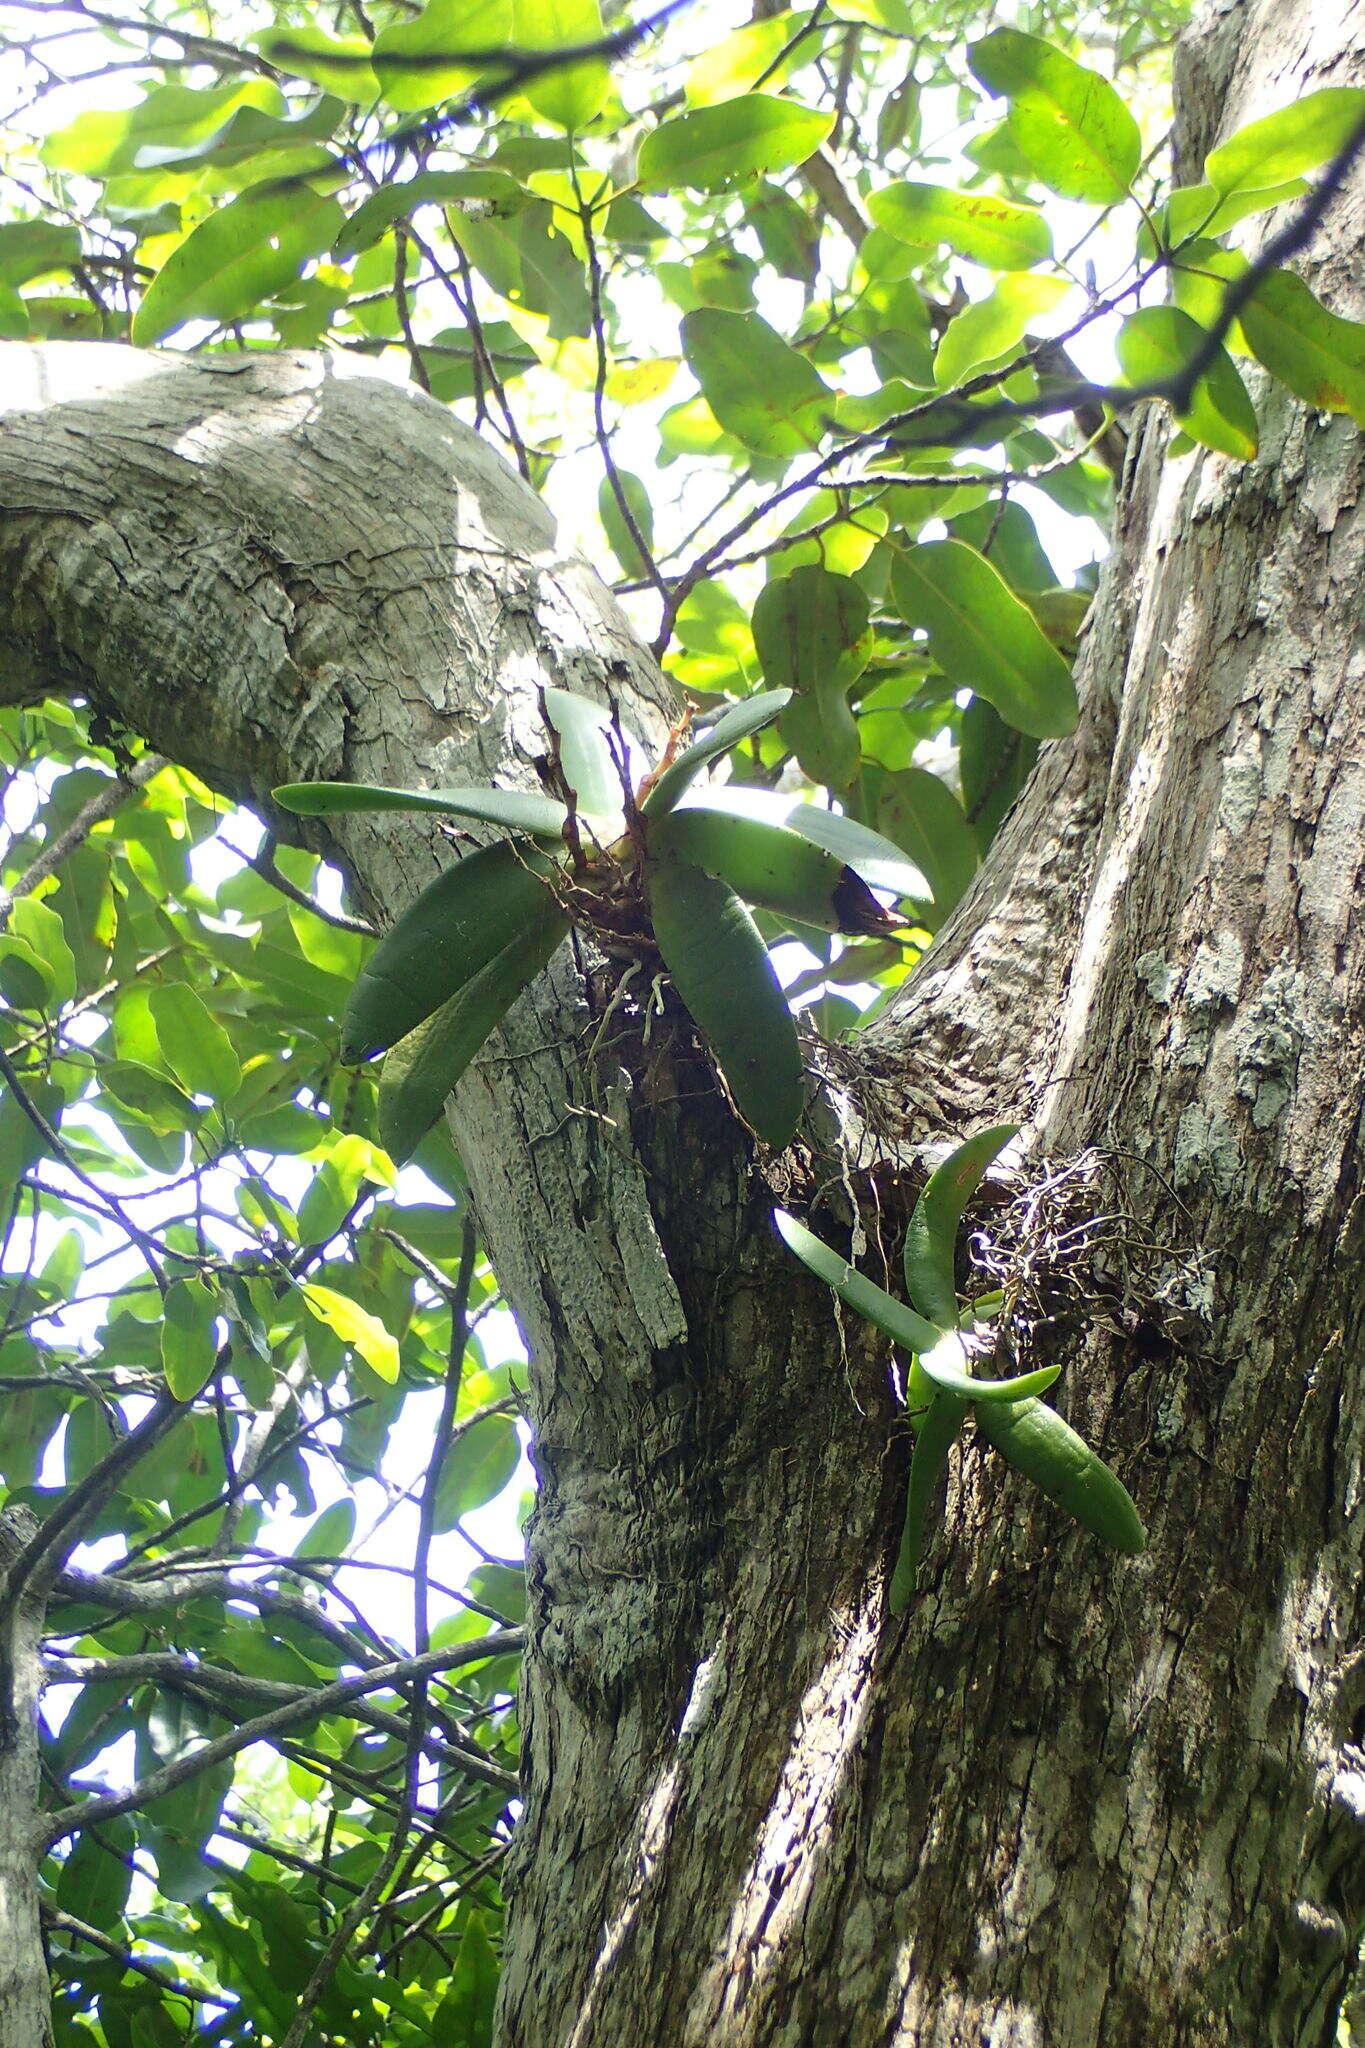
point(1069, 1799)
point(25, 2003)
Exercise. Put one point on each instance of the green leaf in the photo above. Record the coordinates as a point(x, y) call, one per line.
point(355, 1326)
point(992, 231)
point(460, 923)
point(737, 63)
point(1284, 145)
point(330, 1534)
point(990, 331)
point(587, 762)
point(748, 137)
point(1195, 210)
point(189, 1348)
point(464, 2018)
point(788, 237)
point(944, 1367)
point(340, 64)
point(994, 762)
point(32, 248)
point(931, 1239)
point(919, 812)
point(873, 1303)
point(812, 635)
point(880, 864)
point(238, 256)
point(1038, 1443)
point(97, 1874)
point(1317, 354)
point(1156, 343)
point(349, 1162)
point(935, 1436)
point(982, 636)
point(759, 387)
point(738, 722)
point(520, 810)
point(811, 630)
point(720, 968)
point(171, 119)
point(570, 95)
point(493, 193)
point(1067, 122)
point(423, 1067)
point(619, 536)
point(772, 866)
point(39, 927)
point(193, 1044)
point(417, 62)
point(475, 1469)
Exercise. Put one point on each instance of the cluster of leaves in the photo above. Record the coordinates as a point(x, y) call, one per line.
point(938, 1337)
point(656, 874)
point(223, 1333)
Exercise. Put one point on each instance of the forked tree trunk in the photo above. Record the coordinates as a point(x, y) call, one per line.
point(1069, 1800)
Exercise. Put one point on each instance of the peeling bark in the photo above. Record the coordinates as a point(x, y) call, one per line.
point(1068, 1800)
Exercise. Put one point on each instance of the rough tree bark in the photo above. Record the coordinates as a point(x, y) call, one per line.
point(1068, 1800)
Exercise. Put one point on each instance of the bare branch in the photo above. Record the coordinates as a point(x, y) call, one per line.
point(327, 1699)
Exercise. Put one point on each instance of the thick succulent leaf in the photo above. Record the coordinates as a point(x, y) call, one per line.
point(721, 970)
point(585, 756)
point(467, 916)
point(772, 866)
point(931, 1238)
point(881, 865)
point(741, 720)
point(1038, 1443)
point(936, 1435)
point(520, 810)
point(879, 1308)
point(423, 1067)
point(945, 1368)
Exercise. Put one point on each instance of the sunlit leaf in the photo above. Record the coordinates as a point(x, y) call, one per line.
point(239, 255)
point(993, 231)
point(1069, 124)
point(748, 137)
point(1285, 144)
point(355, 1326)
point(1320, 356)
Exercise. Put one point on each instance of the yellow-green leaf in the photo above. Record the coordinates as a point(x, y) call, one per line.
point(1067, 122)
point(748, 137)
point(992, 231)
point(1285, 144)
point(570, 95)
point(240, 255)
point(355, 1326)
